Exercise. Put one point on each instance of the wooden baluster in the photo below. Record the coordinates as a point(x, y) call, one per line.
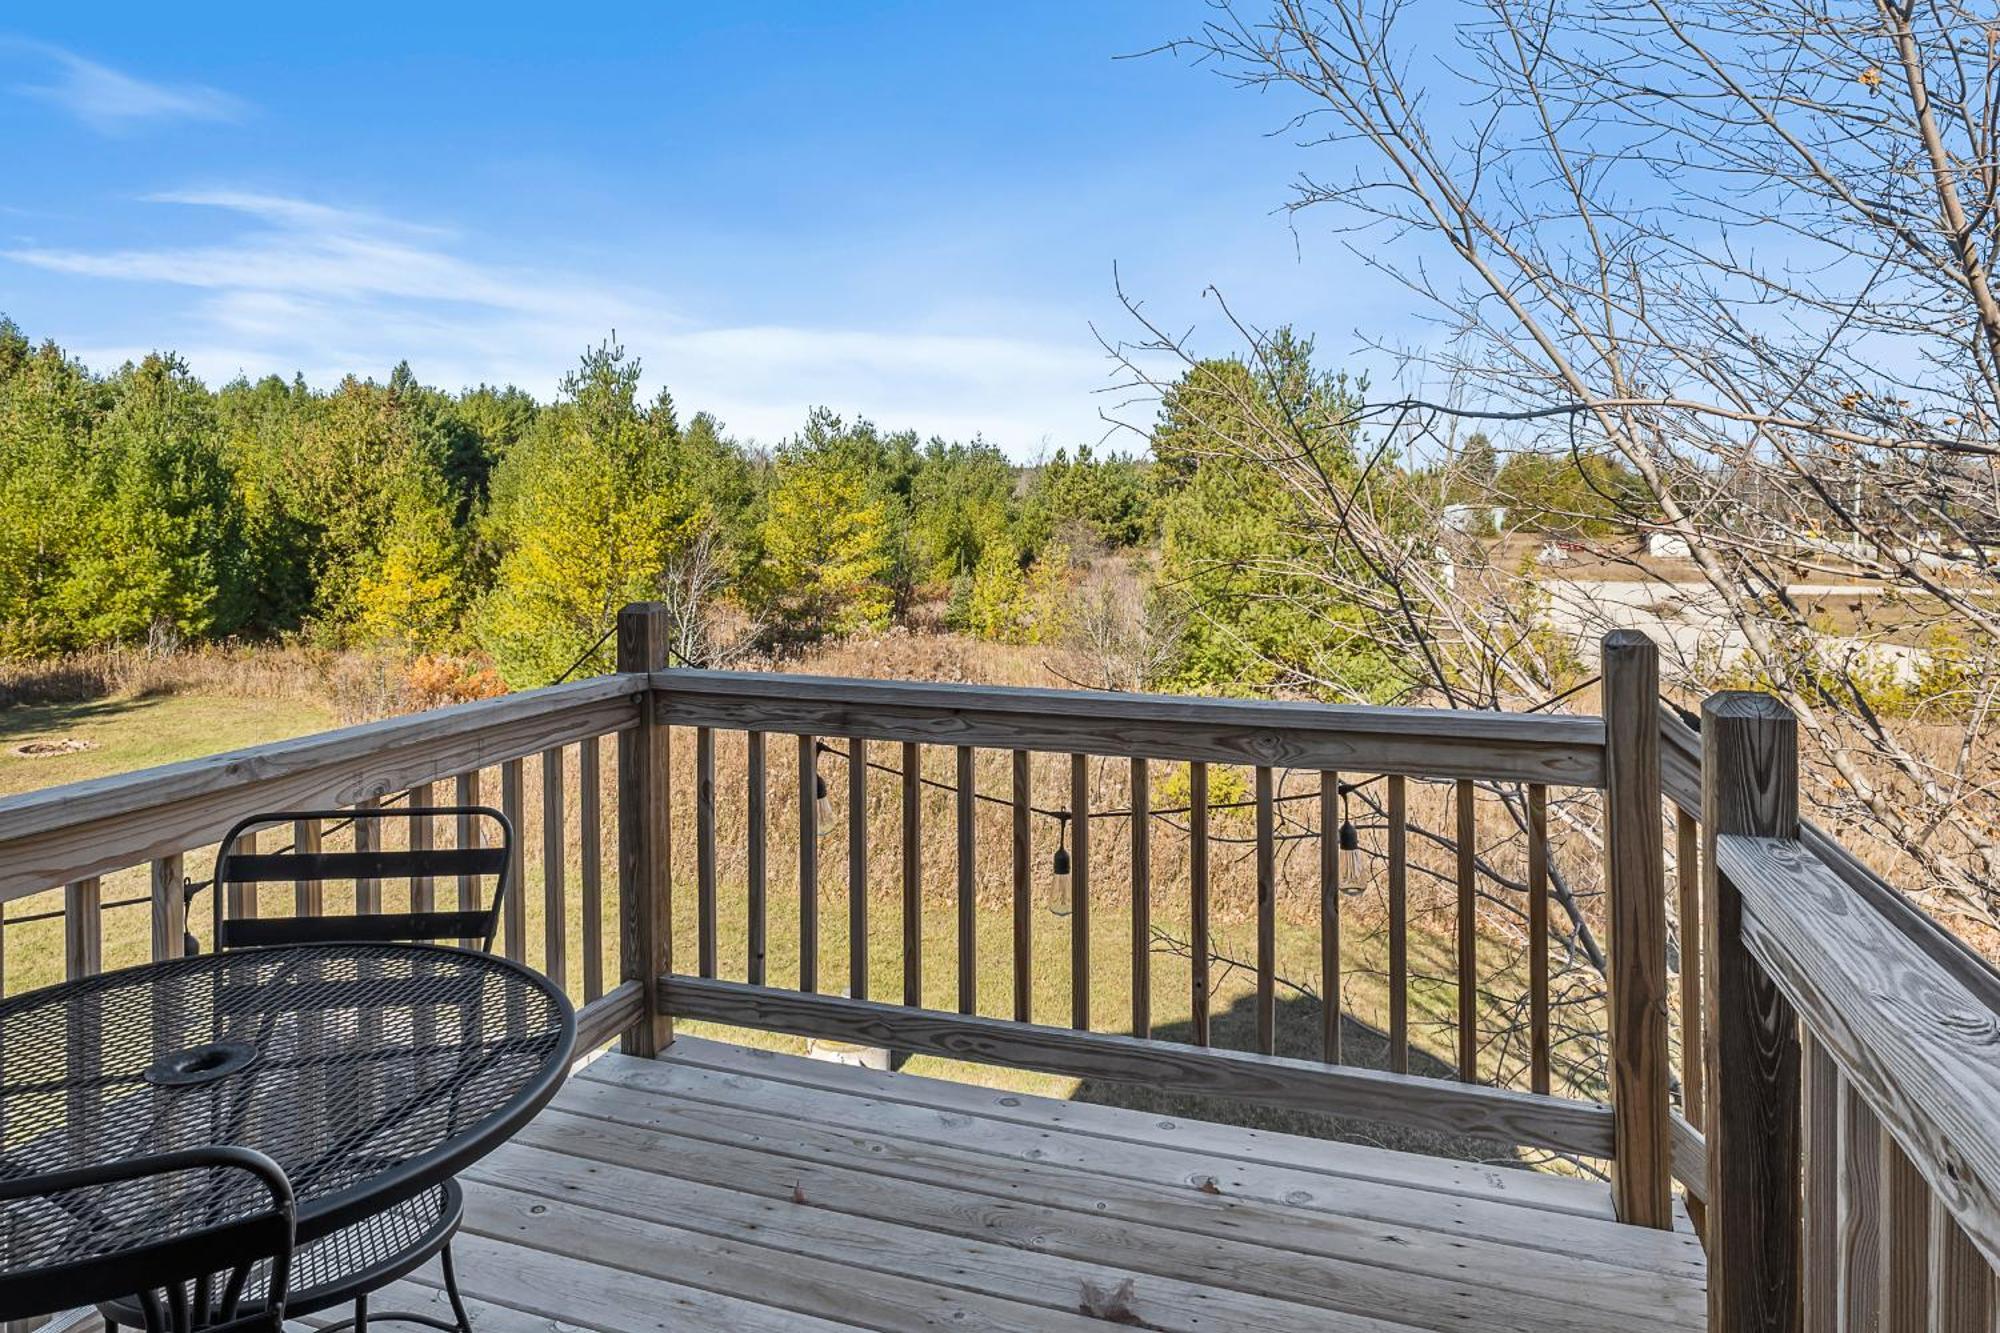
point(240, 902)
point(1635, 880)
point(1267, 913)
point(1821, 1204)
point(1468, 932)
point(555, 905)
point(1198, 897)
point(1962, 1286)
point(758, 814)
point(169, 908)
point(704, 849)
point(513, 804)
point(470, 833)
point(1398, 818)
point(367, 838)
point(83, 928)
point(809, 781)
point(308, 898)
point(1687, 873)
point(590, 868)
point(1858, 1291)
point(968, 886)
point(913, 874)
point(1024, 928)
point(1079, 891)
point(857, 867)
point(423, 892)
point(1906, 1243)
point(1142, 900)
point(645, 832)
point(1329, 917)
point(1538, 938)
point(1749, 786)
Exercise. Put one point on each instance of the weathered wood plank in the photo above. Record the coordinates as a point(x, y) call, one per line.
point(1749, 785)
point(1499, 1114)
point(704, 849)
point(1906, 1243)
point(555, 905)
point(609, 1014)
point(1397, 813)
point(308, 896)
point(1079, 891)
point(913, 874)
point(1858, 1290)
point(469, 833)
point(967, 867)
point(514, 916)
point(1141, 804)
point(1198, 946)
point(1962, 1286)
point(1437, 743)
point(1024, 891)
point(590, 877)
point(811, 784)
point(83, 928)
point(1687, 877)
point(1538, 938)
point(1329, 916)
point(169, 907)
point(89, 828)
point(367, 835)
point(1466, 954)
point(1914, 1043)
point(1267, 912)
point(1635, 877)
point(857, 867)
point(1820, 1206)
point(423, 836)
point(645, 838)
point(756, 853)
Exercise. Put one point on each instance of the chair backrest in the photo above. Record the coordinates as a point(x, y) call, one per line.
point(493, 859)
point(98, 1225)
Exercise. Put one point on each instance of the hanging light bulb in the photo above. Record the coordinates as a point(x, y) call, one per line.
point(822, 807)
point(1060, 865)
point(1350, 842)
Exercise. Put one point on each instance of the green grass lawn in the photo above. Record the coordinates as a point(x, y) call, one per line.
point(124, 734)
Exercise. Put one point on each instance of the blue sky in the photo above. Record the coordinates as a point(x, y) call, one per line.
point(908, 212)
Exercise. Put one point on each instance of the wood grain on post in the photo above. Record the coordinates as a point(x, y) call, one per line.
point(1198, 897)
point(1687, 876)
point(1962, 1286)
point(83, 928)
point(555, 902)
point(1466, 844)
point(704, 849)
point(368, 838)
point(514, 916)
point(1635, 877)
point(1821, 1199)
point(913, 873)
point(1858, 1286)
point(1267, 913)
point(169, 907)
point(645, 834)
point(756, 851)
point(1538, 938)
point(1024, 884)
point(423, 836)
point(809, 781)
point(1329, 916)
point(590, 877)
point(968, 883)
point(1141, 803)
point(1397, 804)
point(308, 896)
point(857, 867)
point(465, 791)
point(1906, 1244)
point(1079, 891)
point(1749, 785)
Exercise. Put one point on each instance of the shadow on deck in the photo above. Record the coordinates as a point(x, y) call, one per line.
point(726, 1188)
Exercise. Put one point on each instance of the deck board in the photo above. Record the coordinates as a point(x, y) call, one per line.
point(724, 1188)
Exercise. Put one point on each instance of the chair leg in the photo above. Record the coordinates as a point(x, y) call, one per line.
point(360, 1314)
point(451, 1290)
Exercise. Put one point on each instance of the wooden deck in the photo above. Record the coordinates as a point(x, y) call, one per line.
point(726, 1188)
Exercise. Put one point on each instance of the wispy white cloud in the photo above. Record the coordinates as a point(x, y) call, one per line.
point(111, 101)
point(329, 290)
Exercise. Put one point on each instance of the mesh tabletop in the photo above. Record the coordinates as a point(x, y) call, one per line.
point(366, 1071)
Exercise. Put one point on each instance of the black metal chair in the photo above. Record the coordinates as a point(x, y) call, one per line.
point(364, 1257)
point(111, 1228)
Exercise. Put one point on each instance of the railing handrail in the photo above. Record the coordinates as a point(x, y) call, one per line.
point(1559, 750)
point(1922, 1049)
point(65, 833)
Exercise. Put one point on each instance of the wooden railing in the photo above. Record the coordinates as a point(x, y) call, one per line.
point(96, 873)
point(1840, 1060)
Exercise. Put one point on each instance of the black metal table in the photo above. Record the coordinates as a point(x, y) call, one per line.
point(369, 1072)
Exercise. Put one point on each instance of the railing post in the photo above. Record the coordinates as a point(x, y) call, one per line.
point(645, 914)
point(1635, 878)
point(1749, 787)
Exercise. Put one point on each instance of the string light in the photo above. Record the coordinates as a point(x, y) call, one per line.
point(822, 807)
point(1060, 863)
point(1350, 839)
